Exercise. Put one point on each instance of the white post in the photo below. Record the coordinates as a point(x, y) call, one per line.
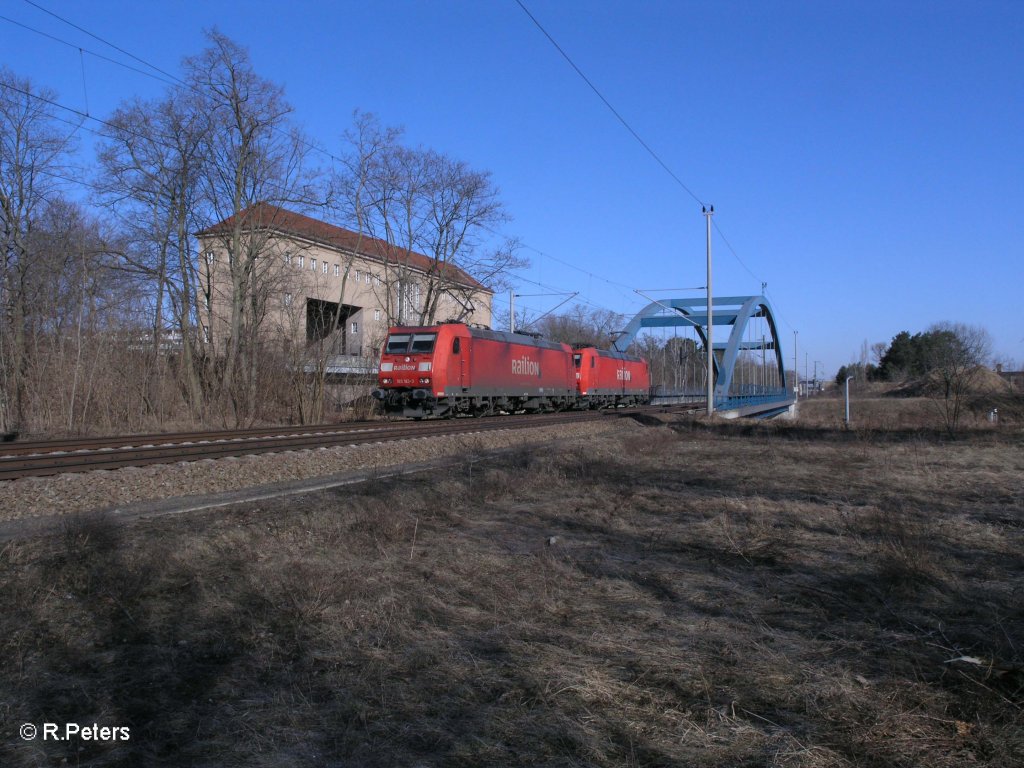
point(711, 347)
point(848, 400)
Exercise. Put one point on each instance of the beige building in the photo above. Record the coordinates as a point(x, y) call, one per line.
point(297, 274)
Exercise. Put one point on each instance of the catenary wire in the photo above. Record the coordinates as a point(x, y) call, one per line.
point(122, 129)
point(69, 44)
point(105, 42)
point(629, 128)
point(608, 104)
point(177, 81)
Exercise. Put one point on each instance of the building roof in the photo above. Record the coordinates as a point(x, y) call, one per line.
point(277, 219)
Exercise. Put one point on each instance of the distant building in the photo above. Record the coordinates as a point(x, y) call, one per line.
point(303, 270)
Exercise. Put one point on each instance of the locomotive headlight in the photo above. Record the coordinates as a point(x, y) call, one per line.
point(385, 381)
point(424, 379)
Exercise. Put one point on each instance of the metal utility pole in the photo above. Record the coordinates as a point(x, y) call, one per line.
point(711, 350)
point(511, 311)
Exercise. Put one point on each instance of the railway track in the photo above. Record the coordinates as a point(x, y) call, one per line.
point(29, 447)
point(41, 458)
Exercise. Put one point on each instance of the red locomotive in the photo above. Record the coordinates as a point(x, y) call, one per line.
point(451, 369)
point(607, 379)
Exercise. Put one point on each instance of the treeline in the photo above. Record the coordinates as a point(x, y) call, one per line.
point(941, 347)
point(101, 287)
point(948, 357)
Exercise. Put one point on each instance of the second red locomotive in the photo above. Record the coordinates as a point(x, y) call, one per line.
point(606, 379)
point(451, 369)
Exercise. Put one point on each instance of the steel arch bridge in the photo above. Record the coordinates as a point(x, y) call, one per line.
point(736, 312)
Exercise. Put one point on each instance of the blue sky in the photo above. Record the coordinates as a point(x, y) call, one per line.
point(865, 159)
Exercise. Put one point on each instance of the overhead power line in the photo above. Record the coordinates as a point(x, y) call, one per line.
point(69, 44)
point(579, 296)
point(732, 250)
point(174, 80)
point(105, 42)
point(632, 132)
point(110, 125)
point(573, 266)
point(608, 104)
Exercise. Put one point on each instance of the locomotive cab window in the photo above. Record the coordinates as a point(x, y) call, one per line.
point(423, 342)
point(576, 359)
point(398, 344)
point(455, 346)
point(593, 362)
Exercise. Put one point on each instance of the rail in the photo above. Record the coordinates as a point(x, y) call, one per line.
point(112, 453)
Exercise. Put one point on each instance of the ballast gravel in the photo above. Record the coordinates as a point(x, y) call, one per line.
point(106, 489)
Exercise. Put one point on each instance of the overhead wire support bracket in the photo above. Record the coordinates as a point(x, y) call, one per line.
point(568, 298)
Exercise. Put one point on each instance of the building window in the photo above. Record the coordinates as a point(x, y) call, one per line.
point(210, 257)
point(312, 264)
point(337, 270)
point(367, 278)
point(325, 267)
point(358, 273)
point(287, 259)
point(302, 261)
point(376, 281)
point(287, 299)
point(376, 314)
point(355, 327)
point(408, 301)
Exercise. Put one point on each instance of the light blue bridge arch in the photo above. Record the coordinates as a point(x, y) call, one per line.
point(733, 311)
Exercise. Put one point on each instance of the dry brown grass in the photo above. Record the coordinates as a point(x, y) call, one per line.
point(877, 411)
point(672, 596)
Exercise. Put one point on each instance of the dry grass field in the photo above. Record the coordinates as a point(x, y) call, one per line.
point(681, 595)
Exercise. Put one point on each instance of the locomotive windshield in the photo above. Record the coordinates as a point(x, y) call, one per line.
point(404, 343)
point(398, 344)
point(423, 342)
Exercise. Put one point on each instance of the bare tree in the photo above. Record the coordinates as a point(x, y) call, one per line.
point(580, 326)
point(421, 202)
point(878, 352)
point(250, 154)
point(350, 199)
point(956, 356)
point(462, 207)
point(149, 168)
point(78, 314)
point(33, 151)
